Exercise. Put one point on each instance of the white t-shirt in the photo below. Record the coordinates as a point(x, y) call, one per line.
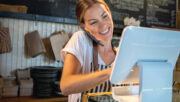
point(81, 46)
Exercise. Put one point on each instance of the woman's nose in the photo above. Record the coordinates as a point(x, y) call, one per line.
point(102, 25)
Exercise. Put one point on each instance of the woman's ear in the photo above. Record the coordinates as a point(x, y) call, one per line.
point(82, 25)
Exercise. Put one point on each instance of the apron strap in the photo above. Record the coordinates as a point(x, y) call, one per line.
point(95, 57)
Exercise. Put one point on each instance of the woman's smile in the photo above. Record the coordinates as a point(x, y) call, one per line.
point(106, 31)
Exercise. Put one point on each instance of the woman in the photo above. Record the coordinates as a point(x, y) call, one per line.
point(78, 75)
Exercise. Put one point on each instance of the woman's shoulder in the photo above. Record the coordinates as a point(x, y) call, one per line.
point(80, 36)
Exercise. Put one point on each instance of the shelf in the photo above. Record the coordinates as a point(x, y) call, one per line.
point(38, 17)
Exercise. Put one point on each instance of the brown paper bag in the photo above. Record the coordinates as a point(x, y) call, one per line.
point(5, 41)
point(34, 44)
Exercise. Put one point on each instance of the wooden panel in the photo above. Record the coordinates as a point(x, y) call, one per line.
point(16, 59)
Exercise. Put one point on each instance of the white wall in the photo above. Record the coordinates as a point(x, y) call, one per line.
point(16, 59)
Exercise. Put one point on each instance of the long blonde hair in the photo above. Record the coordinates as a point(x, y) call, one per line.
point(83, 5)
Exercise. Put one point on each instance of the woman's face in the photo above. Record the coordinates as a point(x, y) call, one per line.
point(98, 21)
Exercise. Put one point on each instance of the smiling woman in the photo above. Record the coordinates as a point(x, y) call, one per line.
point(99, 22)
point(79, 75)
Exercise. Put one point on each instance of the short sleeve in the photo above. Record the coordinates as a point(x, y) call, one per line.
point(75, 46)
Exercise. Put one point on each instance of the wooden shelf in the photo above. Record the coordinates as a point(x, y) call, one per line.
point(38, 17)
point(34, 99)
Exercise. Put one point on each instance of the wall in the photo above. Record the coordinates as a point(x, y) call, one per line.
point(16, 59)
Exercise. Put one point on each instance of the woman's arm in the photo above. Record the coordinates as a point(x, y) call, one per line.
point(72, 81)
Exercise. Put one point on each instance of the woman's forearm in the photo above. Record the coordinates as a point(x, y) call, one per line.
point(81, 82)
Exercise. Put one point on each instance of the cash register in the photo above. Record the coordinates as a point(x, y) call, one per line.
point(143, 68)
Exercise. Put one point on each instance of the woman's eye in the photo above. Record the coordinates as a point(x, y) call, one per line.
point(104, 16)
point(93, 23)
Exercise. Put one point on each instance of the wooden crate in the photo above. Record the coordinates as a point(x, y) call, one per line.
point(13, 8)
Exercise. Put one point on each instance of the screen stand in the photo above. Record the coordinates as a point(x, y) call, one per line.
point(156, 79)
